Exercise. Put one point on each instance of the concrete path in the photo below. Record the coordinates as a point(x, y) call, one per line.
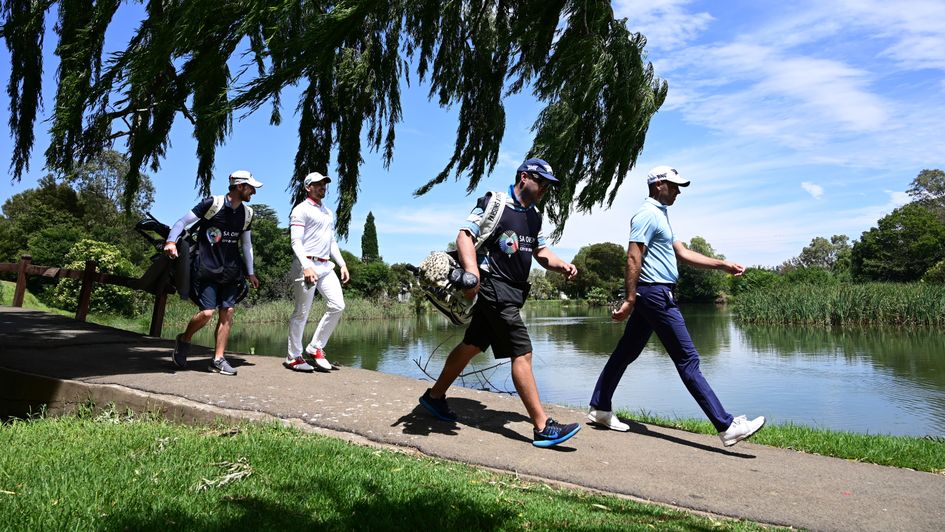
point(51, 359)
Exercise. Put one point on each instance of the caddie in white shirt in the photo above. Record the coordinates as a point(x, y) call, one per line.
point(312, 230)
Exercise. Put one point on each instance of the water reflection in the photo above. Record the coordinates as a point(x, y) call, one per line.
point(875, 381)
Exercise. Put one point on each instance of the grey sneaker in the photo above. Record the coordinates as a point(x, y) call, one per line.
point(740, 429)
point(298, 364)
point(181, 350)
point(221, 366)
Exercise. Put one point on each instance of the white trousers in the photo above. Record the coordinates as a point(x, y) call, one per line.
point(329, 287)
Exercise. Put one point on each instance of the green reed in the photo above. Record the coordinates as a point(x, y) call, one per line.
point(908, 304)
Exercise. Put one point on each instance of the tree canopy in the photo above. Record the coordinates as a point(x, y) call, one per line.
point(349, 57)
point(369, 249)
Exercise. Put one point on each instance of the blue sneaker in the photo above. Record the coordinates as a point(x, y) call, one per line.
point(554, 433)
point(438, 407)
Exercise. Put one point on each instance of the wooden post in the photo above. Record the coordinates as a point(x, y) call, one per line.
point(20, 292)
point(85, 295)
point(157, 315)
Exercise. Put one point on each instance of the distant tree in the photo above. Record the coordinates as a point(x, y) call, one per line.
point(272, 252)
point(599, 266)
point(541, 286)
point(904, 245)
point(825, 253)
point(402, 280)
point(208, 60)
point(696, 284)
point(369, 249)
point(27, 213)
point(928, 189)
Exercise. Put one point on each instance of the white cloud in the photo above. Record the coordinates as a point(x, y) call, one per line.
point(816, 191)
point(665, 23)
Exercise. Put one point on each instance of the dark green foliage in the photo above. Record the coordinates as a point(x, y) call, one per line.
point(369, 250)
point(541, 286)
point(904, 245)
point(813, 276)
point(24, 24)
point(587, 68)
point(105, 298)
point(272, 256)
point(599, 266)
point(697, 284)
point(755, 280)
point(935, 274)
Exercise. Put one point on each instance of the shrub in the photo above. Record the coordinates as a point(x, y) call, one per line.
point(105, 298)
point(935, 274)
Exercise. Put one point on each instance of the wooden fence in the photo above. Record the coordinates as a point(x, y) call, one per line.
point(89, 277)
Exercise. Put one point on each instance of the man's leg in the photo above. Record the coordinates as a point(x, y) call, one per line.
point(671, 329)
point(200, 319)
point(330, 288)
point(527, 388)
point(223, 331)
point(457, 360)
point(302, 295)
point(631, 344)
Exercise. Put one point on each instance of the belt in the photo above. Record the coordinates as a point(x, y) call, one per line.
point(319, 259)
point(671, 285)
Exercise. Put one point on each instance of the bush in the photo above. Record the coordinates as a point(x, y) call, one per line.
point(106, 299)
point(935, 274)
point(755, 279)
point(599, 297)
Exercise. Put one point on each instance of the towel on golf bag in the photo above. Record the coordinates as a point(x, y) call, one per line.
point(443, 280)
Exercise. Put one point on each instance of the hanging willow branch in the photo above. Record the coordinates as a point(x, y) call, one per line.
point(349, 56)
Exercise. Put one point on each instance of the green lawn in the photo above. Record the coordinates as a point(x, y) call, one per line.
point(117, 472)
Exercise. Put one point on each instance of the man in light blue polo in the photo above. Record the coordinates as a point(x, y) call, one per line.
point(651, 276)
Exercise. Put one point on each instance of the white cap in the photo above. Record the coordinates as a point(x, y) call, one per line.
point(240, 177)
point(315, 177)
point(666, 173)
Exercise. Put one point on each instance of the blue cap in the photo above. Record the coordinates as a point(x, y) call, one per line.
point(537, 166)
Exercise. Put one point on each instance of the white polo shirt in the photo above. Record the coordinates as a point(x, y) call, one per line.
point(312, 230)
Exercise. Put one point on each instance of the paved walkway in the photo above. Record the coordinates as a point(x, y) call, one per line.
point(749, 481)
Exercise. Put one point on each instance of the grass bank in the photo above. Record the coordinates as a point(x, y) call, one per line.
point(921, 454)
point(178, 312)
point(118, 472)
point(907, 304)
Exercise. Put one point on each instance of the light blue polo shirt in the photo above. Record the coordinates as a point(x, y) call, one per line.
point(650, 226)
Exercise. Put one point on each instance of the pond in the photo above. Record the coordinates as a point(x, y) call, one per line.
point(876, 381)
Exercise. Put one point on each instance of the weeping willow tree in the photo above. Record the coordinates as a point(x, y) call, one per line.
point(349, 56)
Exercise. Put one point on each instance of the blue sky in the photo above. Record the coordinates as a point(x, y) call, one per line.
point(793, 120)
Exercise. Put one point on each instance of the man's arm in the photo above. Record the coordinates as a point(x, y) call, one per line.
point(467, 259)
point(170, 247)
point(698, 260)
point(635, 251)
point(247, 240)
point(550, 261)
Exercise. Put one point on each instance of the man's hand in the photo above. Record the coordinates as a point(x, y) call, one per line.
point(470, 293)
point(345, 276)
point(308, 275)
point(623, 311)
point(734, 268)
point(569, 270)
point(253, 280)
point(170, 249)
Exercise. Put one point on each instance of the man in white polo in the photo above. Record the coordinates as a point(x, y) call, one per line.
point(312, 230)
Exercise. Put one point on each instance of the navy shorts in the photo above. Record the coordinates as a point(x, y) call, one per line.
point(210, 295)
point(499, 326)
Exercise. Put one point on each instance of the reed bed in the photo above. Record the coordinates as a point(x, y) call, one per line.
point(901, 304)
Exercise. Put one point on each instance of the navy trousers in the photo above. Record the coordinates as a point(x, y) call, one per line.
point(656, 311)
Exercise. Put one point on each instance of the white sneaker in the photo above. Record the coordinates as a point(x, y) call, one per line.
point(740, 429)
point(605, 418)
